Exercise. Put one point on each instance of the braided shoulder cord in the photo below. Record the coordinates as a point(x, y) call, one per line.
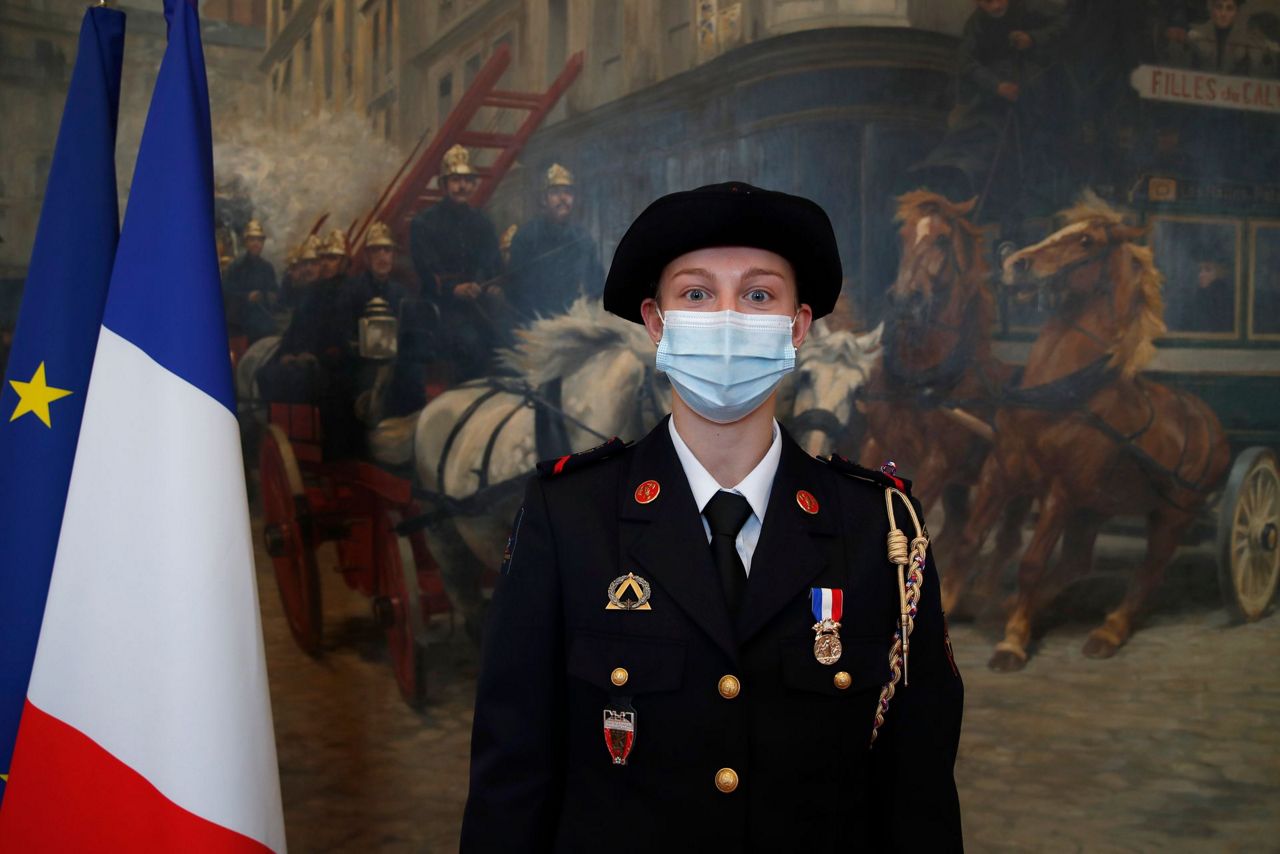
point(902, 554)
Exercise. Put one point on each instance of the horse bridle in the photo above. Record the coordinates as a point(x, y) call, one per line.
point(952, 362)
point(1042, 285)
point(817, 420)
point(953, 263)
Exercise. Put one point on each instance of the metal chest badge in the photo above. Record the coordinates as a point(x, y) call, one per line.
point(828, 607)
point(629, 592)
point(619, 729)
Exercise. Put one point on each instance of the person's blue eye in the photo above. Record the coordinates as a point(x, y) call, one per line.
point(696, 294)
point(758, 296)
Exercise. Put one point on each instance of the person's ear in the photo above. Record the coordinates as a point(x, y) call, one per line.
point(800, 326)
point(652, 322)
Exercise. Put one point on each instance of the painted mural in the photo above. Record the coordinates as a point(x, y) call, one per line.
point(1060, 224)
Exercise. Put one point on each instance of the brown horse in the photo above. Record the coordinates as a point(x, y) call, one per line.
point(937, 359)
point(1084, 433)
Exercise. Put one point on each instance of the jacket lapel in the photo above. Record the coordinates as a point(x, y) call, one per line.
point(665, 540)
point(794, 545)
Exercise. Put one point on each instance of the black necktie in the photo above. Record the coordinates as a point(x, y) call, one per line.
point(726, 513)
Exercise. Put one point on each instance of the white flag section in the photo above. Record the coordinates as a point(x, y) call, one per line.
point(152, 641)
point(147, 725)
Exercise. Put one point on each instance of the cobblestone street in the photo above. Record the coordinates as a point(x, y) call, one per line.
point(1173, 745)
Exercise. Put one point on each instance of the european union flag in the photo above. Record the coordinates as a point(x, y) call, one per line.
point(43, 395)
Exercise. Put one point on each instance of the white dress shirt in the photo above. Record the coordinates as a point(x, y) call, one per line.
point(755, 487)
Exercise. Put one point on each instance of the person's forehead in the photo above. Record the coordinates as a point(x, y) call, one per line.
point(730, 259)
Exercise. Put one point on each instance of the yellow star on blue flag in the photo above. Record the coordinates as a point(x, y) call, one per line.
point(35, 397)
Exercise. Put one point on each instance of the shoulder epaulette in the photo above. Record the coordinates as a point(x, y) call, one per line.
point(879, 478)
point(570, 462)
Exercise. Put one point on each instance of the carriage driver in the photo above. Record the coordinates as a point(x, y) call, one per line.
point(693, 644)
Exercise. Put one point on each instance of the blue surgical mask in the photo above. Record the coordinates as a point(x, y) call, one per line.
point(724, 364)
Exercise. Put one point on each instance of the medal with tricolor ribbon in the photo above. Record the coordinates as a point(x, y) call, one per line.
point(828, 607)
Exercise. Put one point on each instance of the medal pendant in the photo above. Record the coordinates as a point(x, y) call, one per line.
point(827, 604)
point(826, 642)
point(619, 733)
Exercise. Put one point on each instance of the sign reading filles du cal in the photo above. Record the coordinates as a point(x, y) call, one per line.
point(1183, 86)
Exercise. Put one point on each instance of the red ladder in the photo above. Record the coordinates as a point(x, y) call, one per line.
point(410, 191)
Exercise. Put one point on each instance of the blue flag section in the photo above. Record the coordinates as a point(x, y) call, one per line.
point(43, 395)
point(168, 234)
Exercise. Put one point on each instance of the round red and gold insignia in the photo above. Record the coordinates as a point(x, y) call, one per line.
point(647, 491)
point(807, 502)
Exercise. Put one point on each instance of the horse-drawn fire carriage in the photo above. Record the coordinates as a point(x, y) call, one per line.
point(392, 529)
point(1081, 417)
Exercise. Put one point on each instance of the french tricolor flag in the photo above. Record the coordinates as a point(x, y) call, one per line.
point(148, 724)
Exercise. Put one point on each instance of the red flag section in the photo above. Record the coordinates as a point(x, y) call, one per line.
point(75, 796)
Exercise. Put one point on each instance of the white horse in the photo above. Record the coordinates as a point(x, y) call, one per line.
point(473, 445)
point(830, 368)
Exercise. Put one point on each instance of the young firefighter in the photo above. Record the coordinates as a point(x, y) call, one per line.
point(694, 636)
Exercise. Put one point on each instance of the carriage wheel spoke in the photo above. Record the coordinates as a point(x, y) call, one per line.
point(1255, 494)
point(1249, 498)
point(1267, 510)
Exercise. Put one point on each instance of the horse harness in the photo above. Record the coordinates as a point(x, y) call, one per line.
point(1070, 394)
point(528, 397)
point(446, 505)
point(927, 388)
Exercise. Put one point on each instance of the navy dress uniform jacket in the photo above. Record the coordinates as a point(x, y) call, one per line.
point(541, 775)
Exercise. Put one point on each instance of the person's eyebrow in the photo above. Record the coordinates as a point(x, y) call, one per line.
point(756, 272)
point(693, 271)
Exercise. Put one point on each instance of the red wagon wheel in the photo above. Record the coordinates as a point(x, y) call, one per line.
point(399, 608)
point(289, 538)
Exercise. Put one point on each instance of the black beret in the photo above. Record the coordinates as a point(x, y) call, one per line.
point(732, 214)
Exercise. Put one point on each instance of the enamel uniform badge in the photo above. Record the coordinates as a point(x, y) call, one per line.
point(647, 492)
point(619, 731)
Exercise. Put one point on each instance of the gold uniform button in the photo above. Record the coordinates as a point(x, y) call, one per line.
point(729, 686)
point(842, 680)
point(726, 780)
point(619, 676)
